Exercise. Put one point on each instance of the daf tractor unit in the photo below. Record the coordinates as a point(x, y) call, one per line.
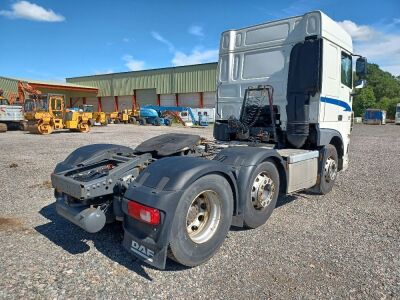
point(284, 98)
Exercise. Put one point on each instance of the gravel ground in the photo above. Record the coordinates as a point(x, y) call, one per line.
point(344, 244)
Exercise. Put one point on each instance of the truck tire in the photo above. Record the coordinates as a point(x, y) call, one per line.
point(23, 126)
point(142, 121)
point(3, 127)
point(329, 169)
point(133, 120)
point(202, 220)
point(262, 196)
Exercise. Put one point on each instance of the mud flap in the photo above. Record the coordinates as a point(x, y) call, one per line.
point(146, 250)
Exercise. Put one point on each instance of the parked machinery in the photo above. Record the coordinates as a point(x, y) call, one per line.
point(149, 115)
point(11, 116)
point(118, 117)
point(46, 113)
point(95, 117)
point(124, 116)
point(162, 115)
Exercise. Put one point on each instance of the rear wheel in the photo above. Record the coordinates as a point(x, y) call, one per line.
point(142, 121)
point(3, 127)
point(262, 196)
point(329, 170)
point(23, 126)
point(84, 127)
point(133, 120)
point(202, 220)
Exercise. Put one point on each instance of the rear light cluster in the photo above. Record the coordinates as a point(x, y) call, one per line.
point(144, 213)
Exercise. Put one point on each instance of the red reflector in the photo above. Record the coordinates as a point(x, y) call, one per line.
point(144, 213)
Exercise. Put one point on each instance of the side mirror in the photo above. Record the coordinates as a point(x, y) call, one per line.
point(361, 67)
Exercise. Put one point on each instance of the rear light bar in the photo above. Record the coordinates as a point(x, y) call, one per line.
point(144, 213)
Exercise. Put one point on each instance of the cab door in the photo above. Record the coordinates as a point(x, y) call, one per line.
point(330, 83)
point(346, 87)
point(57, 106)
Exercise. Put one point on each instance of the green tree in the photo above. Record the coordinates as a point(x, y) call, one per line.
point(382, 91)
point(364, 99)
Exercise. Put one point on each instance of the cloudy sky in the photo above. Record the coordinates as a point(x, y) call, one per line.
point(54, 39)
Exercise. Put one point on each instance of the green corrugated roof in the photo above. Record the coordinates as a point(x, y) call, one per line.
point(184, 79)
point(57, 83)
point(9, 86)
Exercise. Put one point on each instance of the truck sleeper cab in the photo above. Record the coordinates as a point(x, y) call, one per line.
point(284, 107)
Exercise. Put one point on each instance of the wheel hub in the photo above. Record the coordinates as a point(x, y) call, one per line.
point(262, 191)
point(330, 169)
point(203, 216)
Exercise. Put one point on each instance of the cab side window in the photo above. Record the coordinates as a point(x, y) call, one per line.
point(346, 70)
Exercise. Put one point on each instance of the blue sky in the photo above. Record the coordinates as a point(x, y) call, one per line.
point(54, 39)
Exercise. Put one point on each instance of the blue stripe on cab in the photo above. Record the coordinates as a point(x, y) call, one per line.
point(345, 105)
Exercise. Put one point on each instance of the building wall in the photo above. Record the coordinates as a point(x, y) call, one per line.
point(150, 85)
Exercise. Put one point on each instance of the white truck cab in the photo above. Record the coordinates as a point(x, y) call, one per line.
point(397, 116)
point(308, 61)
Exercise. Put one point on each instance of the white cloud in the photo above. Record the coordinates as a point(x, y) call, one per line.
point(196, 30)
point(126, 40)
point(30, 11)
point(163, 40)
point(195, 57)
point(133, 64)
point(378, 46)
point(358, 32)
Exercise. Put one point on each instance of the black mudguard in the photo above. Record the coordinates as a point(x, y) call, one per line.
point(161, 186)
point(89, 153)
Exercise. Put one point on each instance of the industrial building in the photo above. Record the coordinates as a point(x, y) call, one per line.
point(192, 86)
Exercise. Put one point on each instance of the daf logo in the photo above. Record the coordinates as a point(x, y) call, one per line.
point(142, 251)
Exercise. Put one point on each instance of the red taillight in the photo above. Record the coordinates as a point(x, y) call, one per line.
point(144, 213)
